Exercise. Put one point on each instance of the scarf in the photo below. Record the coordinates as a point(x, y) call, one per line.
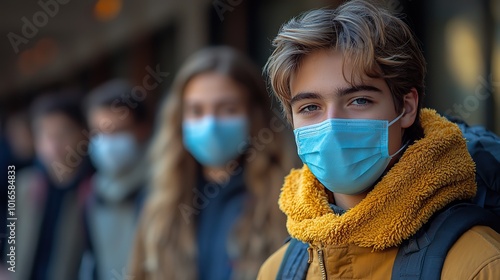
point(431, 173)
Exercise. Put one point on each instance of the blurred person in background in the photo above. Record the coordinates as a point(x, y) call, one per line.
point(19, 138)
point(119, 136)
point(16, 149)
point(51, 194)
point(218, 161)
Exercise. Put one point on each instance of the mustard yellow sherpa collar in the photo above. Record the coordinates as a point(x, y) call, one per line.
point(432, 172)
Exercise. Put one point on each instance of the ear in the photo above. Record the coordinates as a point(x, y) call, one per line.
point(410, 104)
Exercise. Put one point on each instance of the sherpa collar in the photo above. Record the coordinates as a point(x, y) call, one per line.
point(432, 172)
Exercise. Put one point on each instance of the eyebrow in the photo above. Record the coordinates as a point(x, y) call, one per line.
point(353, 89)
point(222, 101)
point(339, 92)
point(304, 95)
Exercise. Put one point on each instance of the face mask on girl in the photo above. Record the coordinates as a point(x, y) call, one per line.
point(214, 141)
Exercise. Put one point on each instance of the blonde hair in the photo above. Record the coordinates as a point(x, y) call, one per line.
point(376, 42)
point(165, 246)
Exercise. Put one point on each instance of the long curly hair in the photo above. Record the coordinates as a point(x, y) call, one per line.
point(165, 246)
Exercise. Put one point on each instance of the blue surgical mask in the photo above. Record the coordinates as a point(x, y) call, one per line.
point(346, 155)
point(214, 141)
point(114, 153)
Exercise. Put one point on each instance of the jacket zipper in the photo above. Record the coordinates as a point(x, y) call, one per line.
point(311, 256)
point(322, 263)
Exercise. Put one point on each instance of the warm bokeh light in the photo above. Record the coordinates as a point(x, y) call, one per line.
point(45, 50)
point(25, 62)
point(463, 52)
point(106, 10)
point(32, 60)
point(495, 7)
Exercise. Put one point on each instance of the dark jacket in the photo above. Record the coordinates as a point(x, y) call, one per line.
point(215, 223)
point(49, 237)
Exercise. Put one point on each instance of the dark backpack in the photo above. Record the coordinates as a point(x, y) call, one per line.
point(484, 148)
point(422, 256)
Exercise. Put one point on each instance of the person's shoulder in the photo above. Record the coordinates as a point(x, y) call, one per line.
point(271, 266)
point(29, 179)
point(475, 255)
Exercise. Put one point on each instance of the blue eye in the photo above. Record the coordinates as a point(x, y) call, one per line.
point(361, 101)
point(309, 108)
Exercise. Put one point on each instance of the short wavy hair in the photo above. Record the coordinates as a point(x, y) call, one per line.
point(374, 41)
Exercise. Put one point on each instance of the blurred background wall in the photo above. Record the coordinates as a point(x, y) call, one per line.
point(51, 44)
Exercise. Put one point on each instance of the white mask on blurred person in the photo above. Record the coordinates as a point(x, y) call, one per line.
point(114, 153)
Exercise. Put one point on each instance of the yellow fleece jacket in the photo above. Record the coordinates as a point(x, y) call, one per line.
point(363, 242)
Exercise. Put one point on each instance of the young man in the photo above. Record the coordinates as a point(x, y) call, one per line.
point(50, 194)
point(118, 140)
point(377, 167)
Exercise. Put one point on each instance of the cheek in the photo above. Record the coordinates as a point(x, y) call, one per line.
point(244, 110)
point(75, 141)
point(301, 120)
point(296, 122)
point(57, 148)
point(47, 149)
point(395, 136)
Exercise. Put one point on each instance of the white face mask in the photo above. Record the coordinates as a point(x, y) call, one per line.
point(114, 153)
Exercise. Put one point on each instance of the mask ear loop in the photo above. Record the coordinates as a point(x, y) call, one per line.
point(402, 148)
point(397, 118)
point(406, 144)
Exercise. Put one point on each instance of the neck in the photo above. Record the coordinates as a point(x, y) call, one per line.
point(62, 180)
point(346, 201)
point(215, 174)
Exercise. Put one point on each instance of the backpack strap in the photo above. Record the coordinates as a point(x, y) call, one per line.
point(423, 255)
point(295, 262)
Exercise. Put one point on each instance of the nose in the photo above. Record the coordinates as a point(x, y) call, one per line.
point(332, 112)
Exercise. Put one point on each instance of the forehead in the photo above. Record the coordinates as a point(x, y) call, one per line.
point(329, 68)
point(212, 87)
point(106, 114)
point(319, 66)
point(53, 122)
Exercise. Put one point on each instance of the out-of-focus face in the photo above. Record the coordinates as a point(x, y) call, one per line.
point(55, 136)
point(213, 94)
point(19, 137)
point(116, 143)
point(105, 121)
